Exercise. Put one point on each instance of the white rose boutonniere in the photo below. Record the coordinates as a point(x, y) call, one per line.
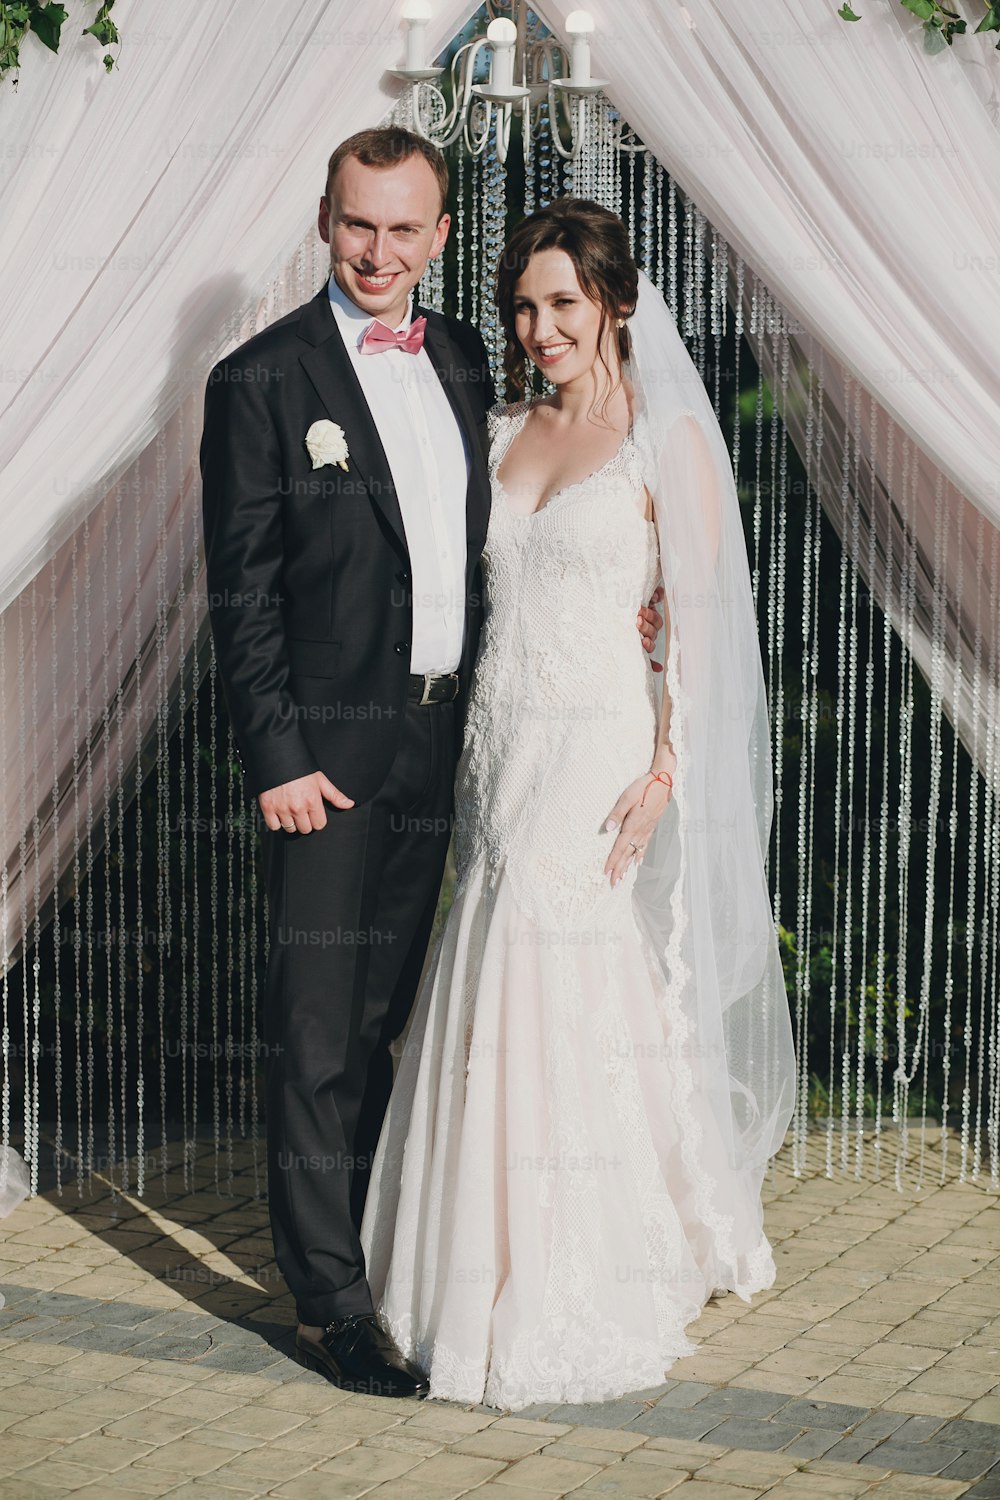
point(327, 444)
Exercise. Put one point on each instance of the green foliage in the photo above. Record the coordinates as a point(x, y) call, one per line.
point(940, 24)
point(45, 21)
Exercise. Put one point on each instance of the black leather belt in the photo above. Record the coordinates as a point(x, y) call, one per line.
point(432, 687)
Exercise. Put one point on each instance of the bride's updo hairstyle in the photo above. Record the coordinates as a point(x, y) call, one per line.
point(596, 241)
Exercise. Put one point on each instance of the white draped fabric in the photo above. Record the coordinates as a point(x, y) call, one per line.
point(857, 176)
point(154, 218)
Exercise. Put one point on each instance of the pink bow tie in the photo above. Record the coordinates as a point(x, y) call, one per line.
point(378, 337)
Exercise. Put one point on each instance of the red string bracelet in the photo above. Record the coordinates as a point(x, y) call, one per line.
point(663, 776)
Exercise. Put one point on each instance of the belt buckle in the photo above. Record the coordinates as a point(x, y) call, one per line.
point(424, 699)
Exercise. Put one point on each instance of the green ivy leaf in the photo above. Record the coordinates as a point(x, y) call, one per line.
point(46, 23)
point(109, 62)
point(846, 13)
point(925, 10)
point(991, 20)
point(104, 29)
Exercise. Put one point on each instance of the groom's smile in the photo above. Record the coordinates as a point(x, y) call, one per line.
point(383, 224)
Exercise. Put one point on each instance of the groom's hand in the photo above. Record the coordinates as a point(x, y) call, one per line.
point(297, 806)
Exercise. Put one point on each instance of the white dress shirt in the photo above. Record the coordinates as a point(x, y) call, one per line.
point(425, 449)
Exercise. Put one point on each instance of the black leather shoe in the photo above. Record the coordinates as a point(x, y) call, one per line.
point(358, 1354)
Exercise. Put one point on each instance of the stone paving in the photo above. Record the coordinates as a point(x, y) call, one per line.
point(145, 1351)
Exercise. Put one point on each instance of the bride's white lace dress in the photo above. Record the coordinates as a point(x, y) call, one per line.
point(549, 1206)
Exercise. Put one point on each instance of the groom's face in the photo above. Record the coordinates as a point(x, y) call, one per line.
point(383, 224)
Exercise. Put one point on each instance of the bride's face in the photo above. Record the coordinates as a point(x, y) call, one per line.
point(557, 324)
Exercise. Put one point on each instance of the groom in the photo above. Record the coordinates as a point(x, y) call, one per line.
point(346, 500)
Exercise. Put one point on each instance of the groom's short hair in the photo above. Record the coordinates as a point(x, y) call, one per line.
point(384, 146)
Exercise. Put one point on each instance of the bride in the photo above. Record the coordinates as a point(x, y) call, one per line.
point(600, 1060)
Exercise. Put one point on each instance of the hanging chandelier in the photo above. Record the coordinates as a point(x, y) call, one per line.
point(518, 66)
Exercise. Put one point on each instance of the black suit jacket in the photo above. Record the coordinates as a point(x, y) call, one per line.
point(309, 588)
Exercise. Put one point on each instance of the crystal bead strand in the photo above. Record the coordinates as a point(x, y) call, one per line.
point(56, 866)
point(780, 492)
point(22, 762)
point(687, 327)
point(839, 772)
point(164, 913)
point(814, 663)
point(983, 921)
point(699, 287)
point(241, 866)
point(77, 905)
point(959, 512)
point(933, 807)
point(36, 918)
point(597, 186)
point(659, 226)
point(771, 358)
point(475, 231)
point(189, 1057)
point(737, 342)
point(494, 226)
point(544, 158)
point(646, 218)
point(810, 729)
point(873, 410)
point(991, 882)
point(255, 1050)
point(973, 834)
point(106, 861)
point(802, 937)
point(460, 238)
point(630, 218)
point(213, 893)
point(758, 450)
point(908, 589)
point(89, 829)
point(185, 830)
point(139, 910)
point(606, 162)
point(671, 290)
point(852, 545)
point(528, 150)
point(994, 1128)
point(577, 170)
point(717, 302)
point(612, 159)
point(883, 841)
point(234, 940)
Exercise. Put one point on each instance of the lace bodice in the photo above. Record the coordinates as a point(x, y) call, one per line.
point(562, 708)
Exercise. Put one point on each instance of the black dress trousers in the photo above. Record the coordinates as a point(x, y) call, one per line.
point(350, 912)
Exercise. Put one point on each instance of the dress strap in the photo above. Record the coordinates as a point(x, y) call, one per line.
point(503, 424)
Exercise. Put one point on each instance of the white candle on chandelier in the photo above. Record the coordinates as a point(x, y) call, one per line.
point(416, 14)
point(579, 25)
point(501, 35)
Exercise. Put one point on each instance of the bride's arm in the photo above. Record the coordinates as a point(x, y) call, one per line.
point(644, 801)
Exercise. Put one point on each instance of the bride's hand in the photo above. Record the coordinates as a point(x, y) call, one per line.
point(635, 815)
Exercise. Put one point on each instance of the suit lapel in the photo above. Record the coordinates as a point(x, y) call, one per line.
point(328, 366)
